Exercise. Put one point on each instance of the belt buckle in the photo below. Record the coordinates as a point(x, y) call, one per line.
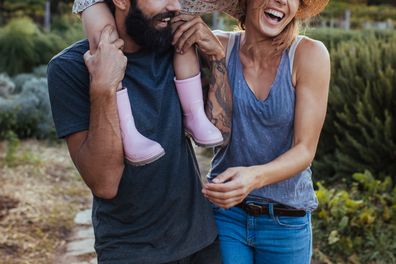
point(254, 209)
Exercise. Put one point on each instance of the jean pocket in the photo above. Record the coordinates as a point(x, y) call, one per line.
point(293, 221)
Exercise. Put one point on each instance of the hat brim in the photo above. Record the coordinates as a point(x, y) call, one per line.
point(309, 8)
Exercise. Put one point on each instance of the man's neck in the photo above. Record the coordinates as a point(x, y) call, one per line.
point(130, 45)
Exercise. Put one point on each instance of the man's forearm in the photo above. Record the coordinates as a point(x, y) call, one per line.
point(100, 157)
point(219, 104)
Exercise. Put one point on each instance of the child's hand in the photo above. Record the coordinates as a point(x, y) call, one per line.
point(195, 31)
point(107, 65)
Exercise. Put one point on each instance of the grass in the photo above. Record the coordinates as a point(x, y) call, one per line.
point(40, 193)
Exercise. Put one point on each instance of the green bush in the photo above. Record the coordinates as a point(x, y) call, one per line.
point(28, 114)
point(6, 86)
point(358, 224)
point(40, 71)
point(69, 27)
point(333, 37)
point(20, 81)
point(23, 46)
point(360, 13)
point(359, 129)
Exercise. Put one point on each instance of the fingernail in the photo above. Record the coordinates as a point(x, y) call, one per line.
point(216, 180)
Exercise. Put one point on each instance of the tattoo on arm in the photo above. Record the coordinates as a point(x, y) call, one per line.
point(219, 101)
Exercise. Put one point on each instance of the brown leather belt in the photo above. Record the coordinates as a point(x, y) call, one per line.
point(279, 210)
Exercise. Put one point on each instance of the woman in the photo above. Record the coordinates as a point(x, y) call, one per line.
point(261, 182)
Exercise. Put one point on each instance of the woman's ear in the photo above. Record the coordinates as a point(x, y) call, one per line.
point(122, 4)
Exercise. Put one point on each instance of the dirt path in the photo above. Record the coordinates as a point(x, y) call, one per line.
point(40, 192)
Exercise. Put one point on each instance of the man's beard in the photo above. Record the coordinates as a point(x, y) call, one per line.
point(141, 29)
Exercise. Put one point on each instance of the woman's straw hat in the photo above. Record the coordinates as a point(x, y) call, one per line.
point(308, 8)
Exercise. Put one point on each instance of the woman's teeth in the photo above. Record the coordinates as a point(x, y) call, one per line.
point(274, 14)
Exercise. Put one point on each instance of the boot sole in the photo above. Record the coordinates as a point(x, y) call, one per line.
point(204, 145)
point(146, 161)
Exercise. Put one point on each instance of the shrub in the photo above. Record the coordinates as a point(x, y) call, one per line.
point(333, 37)
point(358, 224)
point(12, 146)
point(23, 46)
point(40, 71)
point(359, 129)
point(6, 86)
point(28, 114)
point(7, 117)
point(69, 27)
point(17, 46)
point(20, 80)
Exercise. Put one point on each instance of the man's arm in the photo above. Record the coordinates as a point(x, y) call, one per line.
point(219, 100)
point(98, 152)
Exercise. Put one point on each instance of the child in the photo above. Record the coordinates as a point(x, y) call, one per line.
point(138, 149)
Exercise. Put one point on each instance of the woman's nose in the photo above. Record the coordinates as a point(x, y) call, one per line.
point(281, 2)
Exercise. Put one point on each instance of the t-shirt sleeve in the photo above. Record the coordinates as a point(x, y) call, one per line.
point(68, 86)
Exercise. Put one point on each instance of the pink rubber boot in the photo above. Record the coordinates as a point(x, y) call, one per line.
point(196, 124)
point(138, 149)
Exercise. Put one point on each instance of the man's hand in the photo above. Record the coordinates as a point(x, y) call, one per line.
point(231, 187)
point(107, 65)
point(195, 31)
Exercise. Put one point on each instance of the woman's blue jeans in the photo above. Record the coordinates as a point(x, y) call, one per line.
point(269, 239)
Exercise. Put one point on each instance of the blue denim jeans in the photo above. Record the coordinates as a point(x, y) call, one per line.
point(269, 239)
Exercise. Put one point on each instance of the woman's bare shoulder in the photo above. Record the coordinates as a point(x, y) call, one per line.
point(310, 49)
point(312, 60)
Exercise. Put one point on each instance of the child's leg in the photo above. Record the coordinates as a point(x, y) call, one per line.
point(94, 26)
point(186, 65)
point(189, 88)
point(138, 149)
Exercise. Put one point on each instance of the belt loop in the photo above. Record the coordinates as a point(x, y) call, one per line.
point(271, 210)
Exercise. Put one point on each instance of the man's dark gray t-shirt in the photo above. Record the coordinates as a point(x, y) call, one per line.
point(159, 214)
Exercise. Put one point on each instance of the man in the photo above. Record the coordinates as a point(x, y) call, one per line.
point(154, 213)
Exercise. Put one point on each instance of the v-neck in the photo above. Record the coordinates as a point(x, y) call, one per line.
point(274, 82)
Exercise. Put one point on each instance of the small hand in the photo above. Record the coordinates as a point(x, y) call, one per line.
point(107, 65)
point(231, 187)
point(195, 31)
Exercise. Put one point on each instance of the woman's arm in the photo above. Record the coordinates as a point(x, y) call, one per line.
point(312, 71)
point(219, 103)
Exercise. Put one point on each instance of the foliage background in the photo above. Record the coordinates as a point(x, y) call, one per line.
point(354, 170)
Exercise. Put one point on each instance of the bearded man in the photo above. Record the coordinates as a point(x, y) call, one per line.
point(154, 213)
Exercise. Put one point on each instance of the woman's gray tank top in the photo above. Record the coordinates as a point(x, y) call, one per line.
point(262, 130)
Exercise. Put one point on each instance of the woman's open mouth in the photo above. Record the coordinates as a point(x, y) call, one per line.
point(273, 15)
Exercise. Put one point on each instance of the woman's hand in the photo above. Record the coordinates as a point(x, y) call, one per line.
point(232, 186)
point(195, 31)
